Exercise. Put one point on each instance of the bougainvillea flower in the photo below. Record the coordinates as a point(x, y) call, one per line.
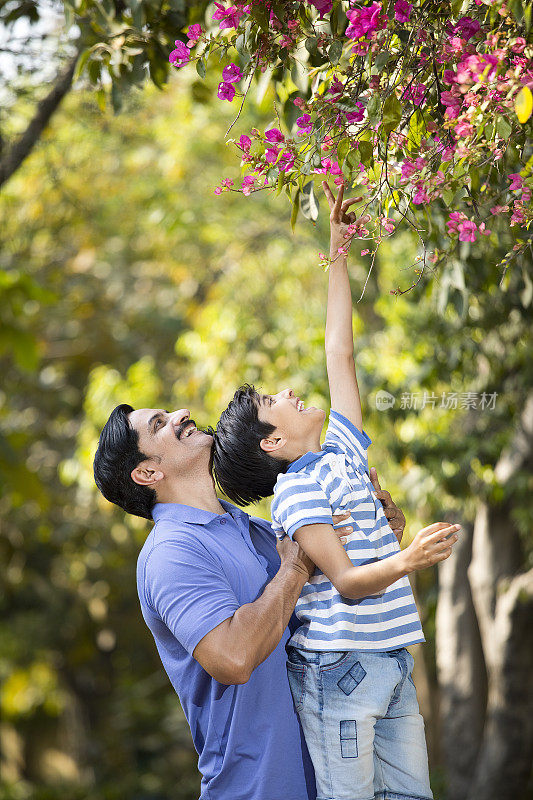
point(516, 181)
point(322, 6)
point(226, 91)
point(274, 136)
point(194, 32)
point(466, 27)
point(180, 55)
point(245, 143)
point(467, 231)
point(364, 21)
point(402, 10)
point(229, 17)
point(304, 124)
point(231, 73)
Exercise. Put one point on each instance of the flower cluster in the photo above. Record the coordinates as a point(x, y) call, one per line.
point(414, 105)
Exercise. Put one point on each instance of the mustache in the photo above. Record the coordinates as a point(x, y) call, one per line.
point(181, 427)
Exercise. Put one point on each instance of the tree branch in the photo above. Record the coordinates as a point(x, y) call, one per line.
point(19, 150)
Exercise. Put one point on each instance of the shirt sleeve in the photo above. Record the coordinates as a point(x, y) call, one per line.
point(188, 590)
point(299, 500)
point(343, 435)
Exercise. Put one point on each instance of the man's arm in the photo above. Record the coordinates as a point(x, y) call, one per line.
point(343, 387)
point(232, 650)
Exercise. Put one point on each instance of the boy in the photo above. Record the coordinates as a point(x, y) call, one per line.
point(349, 669)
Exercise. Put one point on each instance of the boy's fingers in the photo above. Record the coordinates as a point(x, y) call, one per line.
point(438, 535)
point(329, 194)
point(350, 202)
point(338, 201)
point(374, 478)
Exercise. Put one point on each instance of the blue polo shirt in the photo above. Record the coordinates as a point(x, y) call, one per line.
point(194, 571)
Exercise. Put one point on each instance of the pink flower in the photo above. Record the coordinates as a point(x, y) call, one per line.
point(180, 55)
point(420, 196)
point(408, 169)
point(247, 185)
point(194, 32)
point(464, 128)
point(245, 143)
point(499, 209)
point(467, 231)
point(229, 18)
point(456, 217)
point(218, 190)
point(292, 24)
point(483, 229)
point(364, 21)
point(322, 6)
point(466, 27)
point(516, 181)
point(226, 91)
point(519, 45)
point(274, 135)
point(286, 160)
point(299, 102)
point(303, 123)
point(356, 115)
point(231, 73)
point(402, 10)
point(272, 154)
point(365, 252)
point(415, 93)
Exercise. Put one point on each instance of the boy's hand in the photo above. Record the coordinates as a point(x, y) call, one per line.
point(430, 545)
point(340, 220)
point(395, 515)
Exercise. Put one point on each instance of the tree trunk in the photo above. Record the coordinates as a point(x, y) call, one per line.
point(487, 636)
point(460, 668)
point(14, 155)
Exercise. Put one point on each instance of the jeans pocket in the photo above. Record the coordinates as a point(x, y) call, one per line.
point(348, 737)
point(351, 679)
point(296, 674)
point(332, 659)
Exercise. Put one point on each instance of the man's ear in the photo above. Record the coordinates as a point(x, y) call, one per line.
point(272, 443)
point(147, 473)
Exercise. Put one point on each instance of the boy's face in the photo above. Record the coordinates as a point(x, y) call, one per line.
point(288, 414)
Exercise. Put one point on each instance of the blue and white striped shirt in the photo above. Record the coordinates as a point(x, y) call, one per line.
point(315, 487)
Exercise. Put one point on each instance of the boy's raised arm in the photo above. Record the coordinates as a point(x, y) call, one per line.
point(343, 387)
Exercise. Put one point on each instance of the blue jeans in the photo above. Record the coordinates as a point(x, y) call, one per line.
point(361, 722)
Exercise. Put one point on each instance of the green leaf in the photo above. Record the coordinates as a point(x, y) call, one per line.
point(392, 113)
point(295, 207)
point(342, 150)
point(354, 157)
point(335, 51)
point(373, 109)
point(503, 128)
point(82, 61)
point(417, 129)
point(310, 44)
point(308, 202)
point(381, 59)
point(200, 68)
point(366, 150)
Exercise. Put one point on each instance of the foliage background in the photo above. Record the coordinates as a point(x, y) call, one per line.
point(124, 278)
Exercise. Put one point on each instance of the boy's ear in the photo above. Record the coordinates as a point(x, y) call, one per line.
point(272, 443)
point(146, 474)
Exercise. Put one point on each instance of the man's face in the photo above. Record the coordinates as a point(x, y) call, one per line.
point(289, 415)
point(171, 439)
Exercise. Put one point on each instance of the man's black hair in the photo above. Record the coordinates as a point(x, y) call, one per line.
point(243, 470)
point(117, 455)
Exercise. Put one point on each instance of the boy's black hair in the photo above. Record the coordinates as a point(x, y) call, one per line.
point(243, 471)
point(117, 455)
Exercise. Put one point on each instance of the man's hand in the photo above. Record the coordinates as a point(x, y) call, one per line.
point(293, 557)
point(395, 515)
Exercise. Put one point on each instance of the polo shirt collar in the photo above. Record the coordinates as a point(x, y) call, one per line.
point(178, 512)
point(303, 461)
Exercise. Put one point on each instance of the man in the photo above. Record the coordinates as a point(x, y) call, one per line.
point(218, 597)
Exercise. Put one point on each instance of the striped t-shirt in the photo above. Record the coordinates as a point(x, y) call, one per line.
point(315, 487)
